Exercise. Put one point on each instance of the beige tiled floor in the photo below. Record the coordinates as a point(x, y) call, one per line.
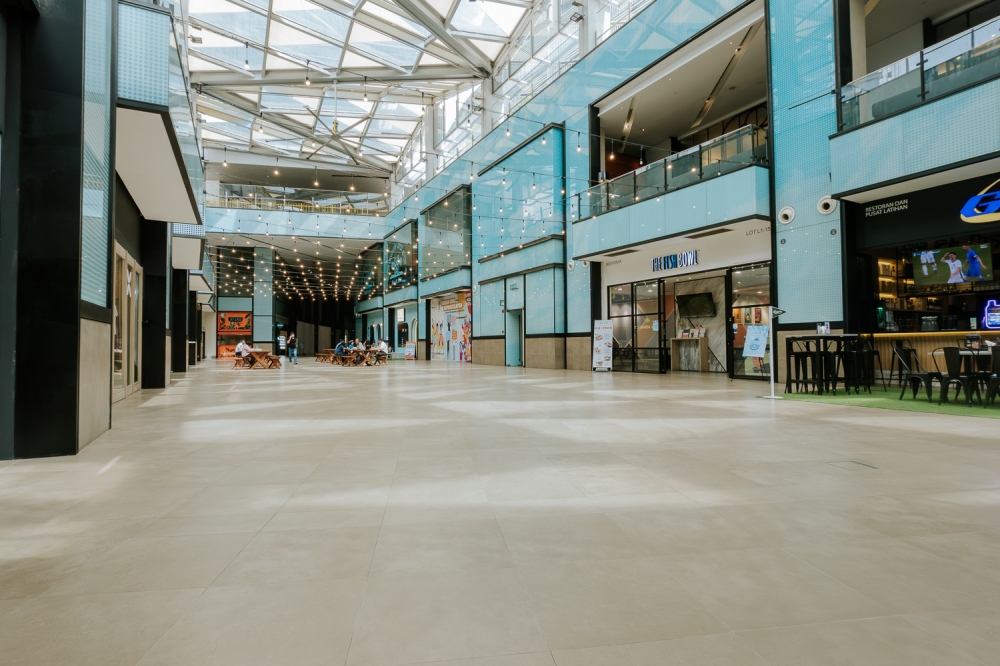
point(484, 516)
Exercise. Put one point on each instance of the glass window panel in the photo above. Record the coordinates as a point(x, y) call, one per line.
point(470, 17)
point(382, 47)
point(297, 44)
point(228, 51)
point(392, 127)
point(398, 110)
point(505, 16)
point(313, 17)
point(231, 18)
point(621, 300)
point(395, 19)
point(646, 297)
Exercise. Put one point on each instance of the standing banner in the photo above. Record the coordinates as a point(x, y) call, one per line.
point(603, 344)
point(756, 341)
point(411, 351)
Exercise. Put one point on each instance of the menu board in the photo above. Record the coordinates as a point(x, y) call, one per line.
point(603, 344)
point(755, 343)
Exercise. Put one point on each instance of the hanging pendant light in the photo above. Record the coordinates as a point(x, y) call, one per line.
point(308, 82)
point(225, 152)
point(246, 63)
point(366, 89)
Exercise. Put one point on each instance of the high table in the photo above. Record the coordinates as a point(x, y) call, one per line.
point(822, 347)
point(967, 354)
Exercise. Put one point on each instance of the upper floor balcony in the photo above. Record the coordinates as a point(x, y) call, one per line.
point(327, 202)
point(967, 59)
point(746, 146)
point(933, 116)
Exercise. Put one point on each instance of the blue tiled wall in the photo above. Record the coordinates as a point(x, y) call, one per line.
point(460, 279)
point(809, 274)
point(660, 28)
point(961, 127)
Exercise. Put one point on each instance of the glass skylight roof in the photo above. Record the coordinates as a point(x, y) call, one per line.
point(274, 77)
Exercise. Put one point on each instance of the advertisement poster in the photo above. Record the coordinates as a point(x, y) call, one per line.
point(953, 265)
point(603, 342)
point(451, 328)
point(411, 351)
point(756, 341)
point(235, 322)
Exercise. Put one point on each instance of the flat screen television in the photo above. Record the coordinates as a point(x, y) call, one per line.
point(695, 305)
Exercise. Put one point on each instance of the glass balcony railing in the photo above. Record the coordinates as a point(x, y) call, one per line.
point(334, 202)
point(966, 59)
point(729, 152)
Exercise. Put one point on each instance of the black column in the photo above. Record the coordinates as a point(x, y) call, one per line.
point(10, 123)
point(194, 328)
point(50, 175)
point(155, 334)
point(178, 320)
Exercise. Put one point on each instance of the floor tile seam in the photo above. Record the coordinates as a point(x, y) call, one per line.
point(368, 572)
point(944, 639)
point(812, 566)
point(449, 661)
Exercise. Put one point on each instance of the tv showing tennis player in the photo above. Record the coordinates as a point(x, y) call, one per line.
point(972, 262)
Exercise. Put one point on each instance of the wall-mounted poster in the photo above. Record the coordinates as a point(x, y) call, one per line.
point(746, 315)
point(235, 322)
point(451, 328)
point(603, 337)
point(756, 315)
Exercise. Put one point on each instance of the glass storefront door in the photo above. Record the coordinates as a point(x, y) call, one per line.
point(126, 332)
point(635, 317)
point(750, 298)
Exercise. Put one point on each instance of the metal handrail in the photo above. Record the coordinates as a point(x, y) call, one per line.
point(737, 149)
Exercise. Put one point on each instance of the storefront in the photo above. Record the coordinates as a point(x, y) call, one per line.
point(233, 327)
point(685, 303)
point(451, 327)
point(921, 265)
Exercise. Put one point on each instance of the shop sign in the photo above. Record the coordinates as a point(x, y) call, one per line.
point(991, 316)
point(672, 261)
point(984, 207)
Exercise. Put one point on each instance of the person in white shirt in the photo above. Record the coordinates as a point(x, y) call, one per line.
point(240, 349)
point(956, 268)
point(383, 347)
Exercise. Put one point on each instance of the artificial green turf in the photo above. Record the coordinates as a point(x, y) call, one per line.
point(880, 399)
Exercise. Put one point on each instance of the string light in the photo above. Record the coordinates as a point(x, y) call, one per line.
point(246, 63)
point(225, 153)
point(366, 89)
point(308, 82)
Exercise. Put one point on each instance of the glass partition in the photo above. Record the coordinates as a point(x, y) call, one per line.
point(966, 59)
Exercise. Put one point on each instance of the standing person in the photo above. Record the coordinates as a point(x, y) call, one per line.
point(293, 348)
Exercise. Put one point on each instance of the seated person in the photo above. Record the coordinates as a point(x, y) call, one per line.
point(340, 349)
point(383, 348)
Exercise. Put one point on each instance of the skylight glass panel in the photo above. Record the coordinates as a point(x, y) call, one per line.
point(490, 49)
point(377, 45)
point(395, 19)
point(506, 16)
point(199, 65)
point(228, 51)
point(298, 45)
point(430, 59)
point(470, 17)
point(398, 110)
point(346, 107)
point(355, 61)
point(231, 18)
point(301, 118)
point(271, 101)
point(208, 135)
point(241, 132)
point(377, 147)
point(392, 127)
point(313, 17)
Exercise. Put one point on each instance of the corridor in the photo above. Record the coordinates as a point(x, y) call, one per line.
point(465, 514)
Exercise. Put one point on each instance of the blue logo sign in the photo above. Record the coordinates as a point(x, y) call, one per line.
point(679, 260)
point(984, 207)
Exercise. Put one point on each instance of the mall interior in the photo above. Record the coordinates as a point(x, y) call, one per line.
point(594, 239)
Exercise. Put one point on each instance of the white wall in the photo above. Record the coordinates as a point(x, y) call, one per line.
point(897, 47)
point(210, 324)
point(94, 396)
